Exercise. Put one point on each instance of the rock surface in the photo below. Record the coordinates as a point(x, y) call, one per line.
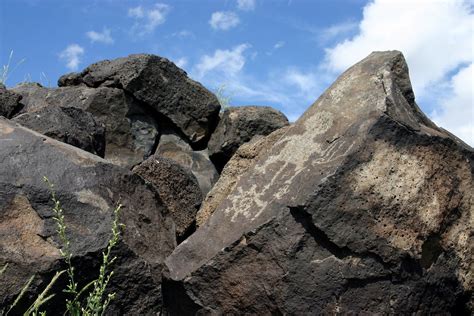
point(9, 102)
point(88, 188)
point(237, 126)
point(177, 187)
point(364, 206)
point(68, 125)
point(159, 83)
point(131, 130)
point(173, 147)
point(243, 159)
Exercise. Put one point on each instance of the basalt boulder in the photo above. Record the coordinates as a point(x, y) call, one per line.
point(160, 84)
point(363, 206)
point(88, 188)
point(68, 125)
point(131, 129)
point(9, 102)
point(175, 148)
point(243, 159)
point(178, 188)
point(237, 126)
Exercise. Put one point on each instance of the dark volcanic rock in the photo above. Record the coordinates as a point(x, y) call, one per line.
point(159, 83)
point(243, 159)
point(173, 147)
point(363, 207)
point(88, 188)
point(131, 130)
point(237, 126)
point(178, 188)
point(68, 125)
point(9, 102)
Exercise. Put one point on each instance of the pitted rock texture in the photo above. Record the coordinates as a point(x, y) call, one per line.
point(178, 188)
point(175, 148)
point(159, 83)
point(131, 129)
point(237, 126)
point(9, 102)
point(89, 188)
point(68, 125)
point(364, 206)
point(243, 159)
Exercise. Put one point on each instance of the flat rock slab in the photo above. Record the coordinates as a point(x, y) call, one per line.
point(238, 125)
point(160, 84)
point(363, 206)
point(89, 188)
point(68, 125)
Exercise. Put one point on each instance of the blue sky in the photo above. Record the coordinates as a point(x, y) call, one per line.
point(282, 53)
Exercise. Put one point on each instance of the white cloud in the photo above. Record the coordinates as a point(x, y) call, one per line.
point(436, 39)
point(136, 12)
point(72, 55)
point(181, 62)
point(279, 45)
point(101, 37)
point(148, 18)
point(305, 82)
point(246, 5)
point(434, 36)
point(183, 34)
point(224, 20)
point(336, 30)
point(456, 112)
point(227, 62)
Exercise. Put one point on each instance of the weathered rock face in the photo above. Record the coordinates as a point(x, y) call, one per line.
point(173, 147)
point(237, 126)
point(363, 206)
point(178, 188)
point(88, 188)
point(68, 125)
point(131, 131)
point(243, 159)
point(159, 83)
point(9, 102)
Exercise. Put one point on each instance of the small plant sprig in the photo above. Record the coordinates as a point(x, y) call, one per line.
point(95, 303)
point(6, 71)
point(223, 98)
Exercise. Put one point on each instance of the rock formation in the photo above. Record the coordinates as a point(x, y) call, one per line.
point(9, 102)
point(88, 188)
point(131, 130)
point(158, 83)
point(243, 159)
point(69, 125)
point(175, 148)
point(237, 126)
point(364, 206)
point(178, 188)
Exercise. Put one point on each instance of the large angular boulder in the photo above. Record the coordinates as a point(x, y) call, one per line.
point(159, 83)
point(178, 188)
point(175, 148)
point(364, 206)
point(131, 130)
point(243, 159)
point(89, 188)
point(68, 125)
point(9, 102)
point(237, 126)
